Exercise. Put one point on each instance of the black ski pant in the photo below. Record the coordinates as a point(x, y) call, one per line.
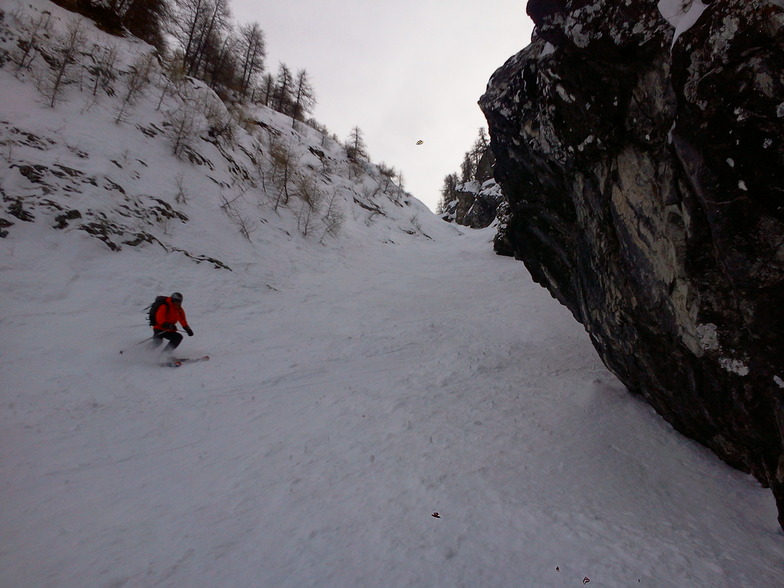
point(172, 337)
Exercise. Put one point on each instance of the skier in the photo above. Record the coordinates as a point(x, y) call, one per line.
point(164, 324)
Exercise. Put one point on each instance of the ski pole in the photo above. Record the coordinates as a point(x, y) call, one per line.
point(139, 343)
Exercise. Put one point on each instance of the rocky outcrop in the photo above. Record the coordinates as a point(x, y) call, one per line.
point(473, 202)
point(643, 163)
point(474, 205)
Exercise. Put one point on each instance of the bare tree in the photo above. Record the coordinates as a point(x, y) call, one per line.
point(185, 26)
point(333, 217)
point(104, 72)
point(284, 87)
point(182, 194)
point(27, 49)
point(387, 176)
point(221, 124)
point(355, 145)
point(175, 74)
point(259, 167)
point(304, 99)
point(104, 68)
point(221, 60)
point(253, 53)
point(197, 24)
point(136, 79)
point(214, 22)
point(401, 181)
point(235, 214)
point(182, 128)
point(306, 189)
point(267, 90)
point(70, 45)
point(282, 168)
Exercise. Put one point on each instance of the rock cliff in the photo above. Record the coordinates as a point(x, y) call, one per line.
point(640, 146)
point(474, 205)
point(472, 198)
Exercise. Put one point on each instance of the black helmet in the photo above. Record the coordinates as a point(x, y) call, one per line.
point(176, 297)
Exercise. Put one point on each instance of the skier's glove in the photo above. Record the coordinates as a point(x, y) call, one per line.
point(189, 331)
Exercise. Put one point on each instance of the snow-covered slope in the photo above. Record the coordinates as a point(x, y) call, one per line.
point(135, 156)
point(361, 382)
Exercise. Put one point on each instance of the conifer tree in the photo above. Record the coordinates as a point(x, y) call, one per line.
point(284, 88)
point(304, 98)
point(200, 27)
point(253, 53)
point(448, 192)
point(467, 168)
point(355, 145)
point(267, 90)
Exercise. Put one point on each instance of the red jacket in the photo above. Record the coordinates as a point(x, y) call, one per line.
point(168, 312)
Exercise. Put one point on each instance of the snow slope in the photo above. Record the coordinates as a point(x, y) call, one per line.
point(337, 414)
point(358, 386)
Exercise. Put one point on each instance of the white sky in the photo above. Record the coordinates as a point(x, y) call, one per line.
point(402, 71)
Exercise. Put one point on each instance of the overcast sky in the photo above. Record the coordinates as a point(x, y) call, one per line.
point(401, 71)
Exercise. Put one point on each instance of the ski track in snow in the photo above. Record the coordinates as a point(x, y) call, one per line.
point(336, 415)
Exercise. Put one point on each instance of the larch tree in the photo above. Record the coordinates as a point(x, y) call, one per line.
point(355, 145)
point(304, 99)
point(254, 51)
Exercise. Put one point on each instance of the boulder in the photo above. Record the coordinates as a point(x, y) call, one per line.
point(640, 148)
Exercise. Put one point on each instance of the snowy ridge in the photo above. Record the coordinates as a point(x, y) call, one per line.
point(360, 381)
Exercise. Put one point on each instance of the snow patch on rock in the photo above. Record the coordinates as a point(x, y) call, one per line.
point(709, 340)
point(734, 365)
point(681, 14)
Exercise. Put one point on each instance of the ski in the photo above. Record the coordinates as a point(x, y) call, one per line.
point(178, 361)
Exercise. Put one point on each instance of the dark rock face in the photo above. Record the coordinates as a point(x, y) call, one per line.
point(645, 188)
point(475, 205)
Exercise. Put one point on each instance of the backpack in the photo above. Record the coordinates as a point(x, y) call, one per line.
point(154, 308)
